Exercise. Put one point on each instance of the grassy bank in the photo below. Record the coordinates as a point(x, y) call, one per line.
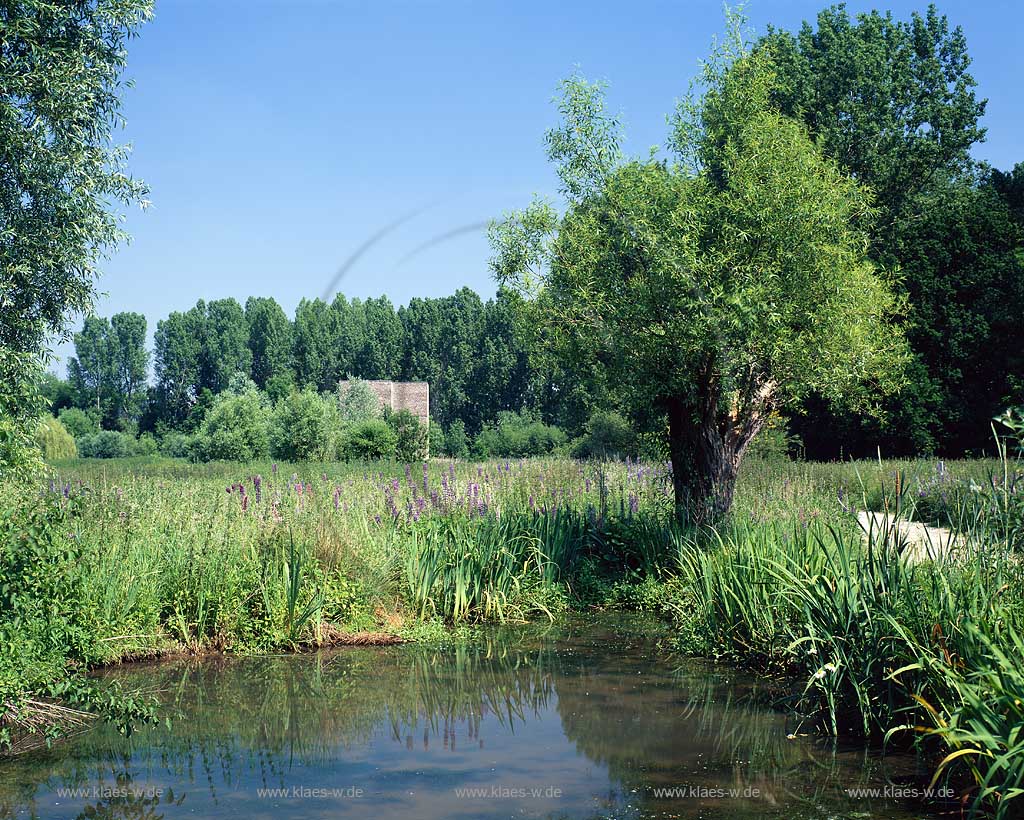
point(108, 561)
point(902, 652)
point(112, 560)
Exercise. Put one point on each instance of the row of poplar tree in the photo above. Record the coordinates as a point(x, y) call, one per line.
point(469, 350)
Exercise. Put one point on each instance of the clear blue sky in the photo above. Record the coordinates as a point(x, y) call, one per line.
point(277, 136)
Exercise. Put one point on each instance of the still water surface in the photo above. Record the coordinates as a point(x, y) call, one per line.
point(582, 720)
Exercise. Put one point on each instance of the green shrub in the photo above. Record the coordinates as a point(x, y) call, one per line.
point(54, 440)
point(234, 429)
point(106, 444)
point(410, 436)
point(456, 444)
point(47, 627)
point(176, 445)
point(279, 386)
point(607, 435)
point(146, 445)
point(357, 401)
point(305, 427)
point(517, 435)
point(370, 439)
point(774, 442)
point(435, 436)
point(78, 422)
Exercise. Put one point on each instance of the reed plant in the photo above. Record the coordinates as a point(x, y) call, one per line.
point(880, 642)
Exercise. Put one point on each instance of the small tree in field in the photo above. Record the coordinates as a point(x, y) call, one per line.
point(715, 288)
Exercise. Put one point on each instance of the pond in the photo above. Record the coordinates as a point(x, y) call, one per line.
point(580, 720)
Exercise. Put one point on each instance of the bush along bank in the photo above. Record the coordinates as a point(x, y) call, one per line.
point(48, 635)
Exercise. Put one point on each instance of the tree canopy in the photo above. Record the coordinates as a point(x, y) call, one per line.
point(61, 70)
point(718, 287)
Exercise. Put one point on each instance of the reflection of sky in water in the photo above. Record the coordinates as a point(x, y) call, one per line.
point(594, 714)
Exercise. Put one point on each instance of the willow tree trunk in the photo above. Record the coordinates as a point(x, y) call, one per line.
point(706, 450)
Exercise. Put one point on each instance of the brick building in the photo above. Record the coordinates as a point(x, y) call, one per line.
point(395, 396)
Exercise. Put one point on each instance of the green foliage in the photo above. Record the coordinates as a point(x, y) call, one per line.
point(607, 435)
point(718, 288)
point(436, 440)
point(46, 625)
point(107, 444)
point(108, 373)
point(983, 725)
point(775, 442)
point(315, 337)
point(270, 341)
point(892, 101)
point(20, 408)
point(305, 426)
point(225, 344)
point(234, 429)
point(380, 356)
point(357, 402)
point(488, 569)
point(78, 422)
point(279, 386)
point(176, 445)
point(517, 435)
point(57, 392)
point(410, 436)
point(62, 176)
point(455, 441)
point(370, 439)
point(54, 440)
point(1011, 426)
point(146, 445)
point(91, 370)
point(176, 360)
point(239, 385)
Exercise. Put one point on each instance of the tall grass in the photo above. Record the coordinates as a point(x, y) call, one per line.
point(883, 645)
point(247, 558)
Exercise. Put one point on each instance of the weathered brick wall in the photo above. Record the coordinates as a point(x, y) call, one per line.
point(414, 397)
point(411, 396)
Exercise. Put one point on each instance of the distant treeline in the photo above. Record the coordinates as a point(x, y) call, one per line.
point(472, 352)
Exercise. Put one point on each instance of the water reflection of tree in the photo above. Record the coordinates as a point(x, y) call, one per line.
point(696, 727)
point(238, 720)
point(247, 722)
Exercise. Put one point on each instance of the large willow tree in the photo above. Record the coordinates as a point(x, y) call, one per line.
point(711, 289)
point(61, 67)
